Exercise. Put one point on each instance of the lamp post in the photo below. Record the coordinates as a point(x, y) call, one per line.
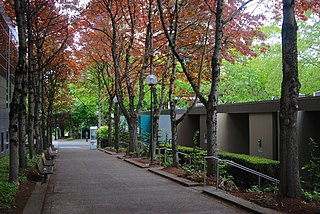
point(116, 127)
point(151, 81)
point(55, 133)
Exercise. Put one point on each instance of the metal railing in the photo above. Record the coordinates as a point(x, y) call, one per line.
point(259, 174)
point(165, 154)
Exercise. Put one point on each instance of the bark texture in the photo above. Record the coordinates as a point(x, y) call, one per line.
point(23, 164)
point(19, 6)
point(31, 73)
point(289, 158)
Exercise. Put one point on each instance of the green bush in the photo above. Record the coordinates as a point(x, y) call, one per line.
point(103, 132)
point(262, 165)
point(311, 181)
point(70, 139)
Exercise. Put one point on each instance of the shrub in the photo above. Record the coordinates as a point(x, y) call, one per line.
point(103, 132)
point(311, 183)
point(262, 165)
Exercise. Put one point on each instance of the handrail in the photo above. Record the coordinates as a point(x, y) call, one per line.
point(165, 154)
point(259, 174)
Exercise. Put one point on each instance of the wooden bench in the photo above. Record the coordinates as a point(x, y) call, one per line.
point(51, 154)
point(54, 150)
point(45, 161)
point(44, 170)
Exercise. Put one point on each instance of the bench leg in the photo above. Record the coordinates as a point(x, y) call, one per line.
point(44, 179)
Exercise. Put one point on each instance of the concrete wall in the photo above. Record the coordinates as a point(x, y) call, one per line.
point(253, 128)
point(308, 127)
point(186, 130)
point(261, 132)
point(4, 118)
point(164, 128)
point(203, 131)
point(233, 133)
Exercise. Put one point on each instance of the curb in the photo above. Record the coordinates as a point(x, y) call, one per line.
point(238, 201)
point(172, 177)
point(108, 152)
point(120, 157)
point(136, 163)
point(34, 204)
point(216, 193)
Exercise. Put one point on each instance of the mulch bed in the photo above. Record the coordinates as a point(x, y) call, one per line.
point(269, 200)
point(24, 192)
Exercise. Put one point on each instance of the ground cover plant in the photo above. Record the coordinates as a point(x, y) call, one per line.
point(9, 190)
point(267, 195)
point(311, 182)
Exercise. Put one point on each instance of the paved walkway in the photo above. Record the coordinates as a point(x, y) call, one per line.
point(90, 181)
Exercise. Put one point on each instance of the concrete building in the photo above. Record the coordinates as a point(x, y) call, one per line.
point(8, 56)
point(253, 128)
point(164, 133)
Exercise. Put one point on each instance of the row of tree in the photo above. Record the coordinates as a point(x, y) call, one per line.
point(43, 34)
point(121, 42)
point(126, 40)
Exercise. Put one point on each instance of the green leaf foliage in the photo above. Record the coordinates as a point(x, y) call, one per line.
point(8, 190)
point(256, 79)
point(311, 180)
point(262, 165)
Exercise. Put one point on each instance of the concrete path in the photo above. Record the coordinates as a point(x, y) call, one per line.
point(90, 181)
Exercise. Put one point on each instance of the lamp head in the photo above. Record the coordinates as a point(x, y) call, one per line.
point(151, 79)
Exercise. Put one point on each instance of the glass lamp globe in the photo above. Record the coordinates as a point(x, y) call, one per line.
point(151, 79)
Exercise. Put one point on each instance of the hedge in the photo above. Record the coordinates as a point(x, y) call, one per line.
point(262, 165)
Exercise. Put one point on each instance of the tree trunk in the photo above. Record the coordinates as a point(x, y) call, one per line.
point(99, 109)
point(61, 132)
point(133, 124)
point(38, 97)
point(43, 128)
point(43, 116)
point(212, 103)
point(116, 129)
point(37, 113)
point(19, 6)
point(110, 122)
point(174, 20)
point(211, 138)
point(99, 101)
point(49, 128)
point(49, 114)
point(31, 87)
point(23, 164)
point(289, 159)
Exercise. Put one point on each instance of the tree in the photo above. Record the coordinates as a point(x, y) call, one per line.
point(51, 35)
point(124, 20)
point(289, 176)
point(19, 7)
point(237, 36)
point(289, 159)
